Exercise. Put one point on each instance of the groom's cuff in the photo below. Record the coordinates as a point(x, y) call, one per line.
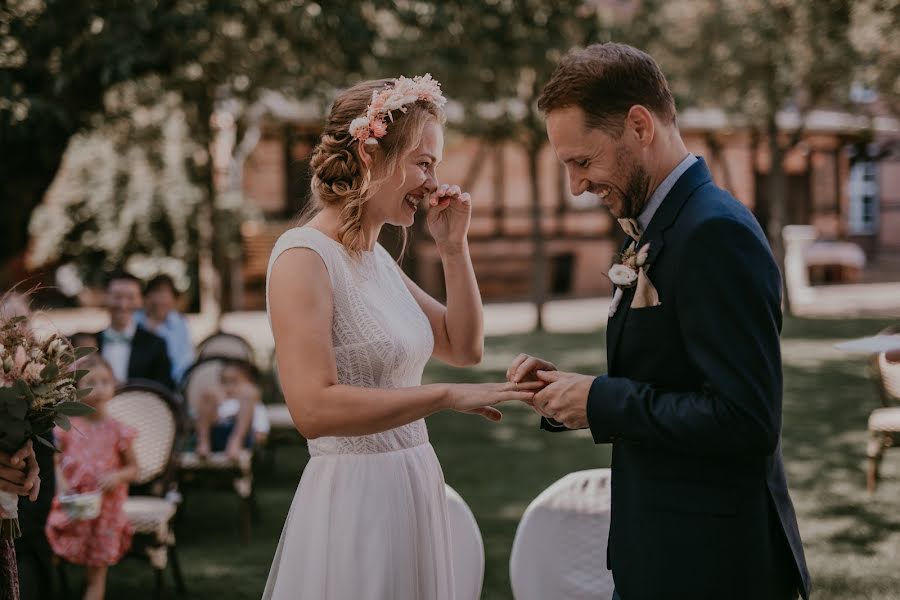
point(598, 418)
point(551, 425)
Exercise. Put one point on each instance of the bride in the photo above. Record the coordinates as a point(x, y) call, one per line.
point(353, 334)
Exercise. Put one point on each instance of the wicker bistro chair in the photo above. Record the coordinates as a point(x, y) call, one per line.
point(229, 345)
point(216, 470)
point(561, 540)
point(154, 413)
point(884, 423)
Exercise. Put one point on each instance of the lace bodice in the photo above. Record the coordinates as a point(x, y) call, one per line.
point(381, 337)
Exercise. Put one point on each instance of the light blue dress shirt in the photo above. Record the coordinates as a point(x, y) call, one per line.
point(663, 190)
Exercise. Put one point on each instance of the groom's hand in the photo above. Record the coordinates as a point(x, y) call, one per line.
point(565, 397)
point(525, 367)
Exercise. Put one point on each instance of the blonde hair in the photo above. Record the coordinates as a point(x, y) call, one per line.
point(94, 361)
point(341, 178)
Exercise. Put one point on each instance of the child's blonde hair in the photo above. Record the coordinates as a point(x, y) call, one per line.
point(91, 362)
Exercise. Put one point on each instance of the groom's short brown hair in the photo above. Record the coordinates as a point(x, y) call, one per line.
point(605, 81)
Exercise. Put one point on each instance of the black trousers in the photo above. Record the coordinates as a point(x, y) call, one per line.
point(34, 556)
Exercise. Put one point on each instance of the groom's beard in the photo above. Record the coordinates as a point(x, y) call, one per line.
point(637, 185)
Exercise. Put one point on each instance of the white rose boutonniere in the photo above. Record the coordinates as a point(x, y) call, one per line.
point(624, 271)
point(623, 276)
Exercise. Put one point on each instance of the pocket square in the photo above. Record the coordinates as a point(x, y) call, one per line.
point(645, 295)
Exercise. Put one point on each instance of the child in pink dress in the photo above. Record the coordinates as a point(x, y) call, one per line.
point(96, 455)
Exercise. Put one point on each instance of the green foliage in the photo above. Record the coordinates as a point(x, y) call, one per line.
point(492, 57)
point(751, 57)
point(873, 33)
point(105, 69)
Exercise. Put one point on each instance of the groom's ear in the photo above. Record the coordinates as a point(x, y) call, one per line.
point(639, 124)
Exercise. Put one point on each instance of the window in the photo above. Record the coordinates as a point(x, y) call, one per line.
point(863, 198)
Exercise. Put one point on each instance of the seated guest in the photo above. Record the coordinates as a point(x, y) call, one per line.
point(231, 416)
point(131, 350)
point(161, 317)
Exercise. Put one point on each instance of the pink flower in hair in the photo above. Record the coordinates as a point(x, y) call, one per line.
point(379, 128)
point(398, 96)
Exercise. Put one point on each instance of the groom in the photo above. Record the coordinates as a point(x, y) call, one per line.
point(692, 401)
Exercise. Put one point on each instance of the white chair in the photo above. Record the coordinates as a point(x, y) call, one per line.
point(225, 345)
point(467, 548)
point(560, 546)
point(216, 469)
point(155, 415)
point(884, 423)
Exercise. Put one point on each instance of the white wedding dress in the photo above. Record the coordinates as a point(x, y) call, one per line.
point(369, 519)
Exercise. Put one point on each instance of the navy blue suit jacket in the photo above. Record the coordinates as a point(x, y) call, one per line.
point(692, 406)
point(149, 358)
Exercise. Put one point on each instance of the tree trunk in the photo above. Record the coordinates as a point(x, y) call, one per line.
point(777, 196)
point(475, 166)
point(499, 184)
point(208, 274)
point(539, 259)
point(715, 149)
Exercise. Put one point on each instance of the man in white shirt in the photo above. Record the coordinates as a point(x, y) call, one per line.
point(133, 352)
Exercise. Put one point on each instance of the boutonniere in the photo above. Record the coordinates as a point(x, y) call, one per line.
point(626, 270)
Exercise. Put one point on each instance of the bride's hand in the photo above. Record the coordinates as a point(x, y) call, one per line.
point(479, 398)
point(449, 215)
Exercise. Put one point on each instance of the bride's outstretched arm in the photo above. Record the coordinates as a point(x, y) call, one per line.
point(301, 308)
point(458, 327)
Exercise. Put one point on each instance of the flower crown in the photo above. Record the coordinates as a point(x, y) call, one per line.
point(367, 128)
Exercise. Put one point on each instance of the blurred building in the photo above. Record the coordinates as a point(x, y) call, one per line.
point(843, 179)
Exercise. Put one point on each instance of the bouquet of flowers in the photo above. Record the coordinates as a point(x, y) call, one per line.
point(38, 390)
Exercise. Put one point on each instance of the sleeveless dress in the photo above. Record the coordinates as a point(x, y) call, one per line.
point(369, 518)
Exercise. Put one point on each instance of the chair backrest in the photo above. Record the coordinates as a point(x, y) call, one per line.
point(560, 546)
point(153, 412)
point(201, 376)
point(467, 548)
point(225, 344)
point(887, 373)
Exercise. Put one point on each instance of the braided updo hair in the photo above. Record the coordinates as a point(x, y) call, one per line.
point(341, 178)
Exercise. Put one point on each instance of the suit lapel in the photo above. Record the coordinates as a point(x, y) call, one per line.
point(665, 217)
point(135, 347)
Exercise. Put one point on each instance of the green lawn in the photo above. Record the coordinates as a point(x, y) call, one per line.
point(852, 541)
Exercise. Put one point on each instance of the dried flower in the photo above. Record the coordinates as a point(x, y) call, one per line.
point(32, 372)
point(20, 357)
point(623, 275)
point(402, 92)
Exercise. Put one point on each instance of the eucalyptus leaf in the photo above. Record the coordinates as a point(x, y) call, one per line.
point(83, 393)
point(24, 389)
point(83, 351)
point(74, 409)
point(63, 422)
point(8, 393)
point(50, 371)
point(47, 443)
point(17, 407)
